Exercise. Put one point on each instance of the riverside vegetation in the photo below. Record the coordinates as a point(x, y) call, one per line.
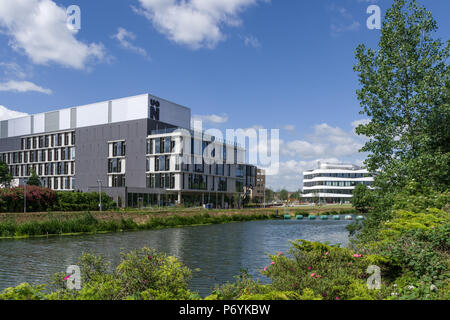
point(405, 91)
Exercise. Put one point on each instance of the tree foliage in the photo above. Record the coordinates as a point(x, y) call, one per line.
point(363, 198)
point(405, 91)
point(5, 176)
point(34, 179)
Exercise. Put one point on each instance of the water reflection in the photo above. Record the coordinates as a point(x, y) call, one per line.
point(219, 251)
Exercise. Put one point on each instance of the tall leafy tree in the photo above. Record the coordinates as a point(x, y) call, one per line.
point(34, 179)
point(405, 91)
point(362, 198)
point(5, 176)
point(284, 195)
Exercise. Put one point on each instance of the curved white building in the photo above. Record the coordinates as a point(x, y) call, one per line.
point(333, 183)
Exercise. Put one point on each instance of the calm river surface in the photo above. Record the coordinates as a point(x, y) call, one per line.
point(220, 251)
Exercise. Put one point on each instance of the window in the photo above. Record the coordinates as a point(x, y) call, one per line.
point(239, 171)
point(157, 146)
point(167, 164)
point(156, 164)
point(114, 166)
point(239, 186)
point(150, 146)
point(167, 142)
point(118, 181)
point(118, 149)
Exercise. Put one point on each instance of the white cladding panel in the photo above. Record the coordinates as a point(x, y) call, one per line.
point(64, 119)
point(19, 126)
point(92, 115)
point(127, 109)
point(39, 123)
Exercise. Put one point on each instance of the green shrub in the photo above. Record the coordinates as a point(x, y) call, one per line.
point(23, 291)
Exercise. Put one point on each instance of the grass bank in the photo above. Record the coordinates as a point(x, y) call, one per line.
point(20, 225)
point(89, 223)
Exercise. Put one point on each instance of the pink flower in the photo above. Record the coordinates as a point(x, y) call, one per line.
point(309, 268)
point(280, 253)
point(272, 263)
point(337, 298)
point(312, 275)
point(67, 277)
point(265, 268)
point(326, 253)
point(150, 257)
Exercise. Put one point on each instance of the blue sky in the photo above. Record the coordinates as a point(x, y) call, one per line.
point(235, 63)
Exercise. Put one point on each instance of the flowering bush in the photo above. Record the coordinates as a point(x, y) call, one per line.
point(329, 271)
point(43, 199)
point(38, 199)
point(142, 275)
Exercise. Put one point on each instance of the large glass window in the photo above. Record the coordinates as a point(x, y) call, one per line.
point(167, 145)
point(157, 145)
point(150, 146)
point(119, 149)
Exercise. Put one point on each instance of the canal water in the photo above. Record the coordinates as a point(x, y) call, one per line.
point(219, 251)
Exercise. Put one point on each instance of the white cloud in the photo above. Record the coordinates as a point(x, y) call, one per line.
point(12, 69)
point(289, 127)
point(356, 123)
point(23, 86)
point(212, 118)
point(251, 41)
point(38, 29)
point(343, 20)
point(123, 36)
point(326, 141)
point(195, 23)
point(6, 114)
point(290, 174)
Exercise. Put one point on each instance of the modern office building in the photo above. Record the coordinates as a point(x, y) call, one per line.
point(140, 150)
point(333, 183)
point(257, 194)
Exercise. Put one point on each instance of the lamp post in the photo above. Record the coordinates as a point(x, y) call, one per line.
point(25, 181)
point(264, 196)
point(100, 193)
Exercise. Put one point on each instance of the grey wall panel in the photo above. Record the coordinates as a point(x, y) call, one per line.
point(10, 144)
point(4, 129)
point(52, 121)
point(73, 118)
point(109, 111)
point(32, 124)
point(91, 162)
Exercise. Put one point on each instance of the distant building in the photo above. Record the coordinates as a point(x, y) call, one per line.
point(333, 183)
point(257, 194)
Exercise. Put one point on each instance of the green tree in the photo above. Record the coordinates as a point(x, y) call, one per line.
point(363, 198)
point(405, 91)
point(284, 195)
point(5, 176)
point(34, 179)
point(295, 196)
point(270, 195)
